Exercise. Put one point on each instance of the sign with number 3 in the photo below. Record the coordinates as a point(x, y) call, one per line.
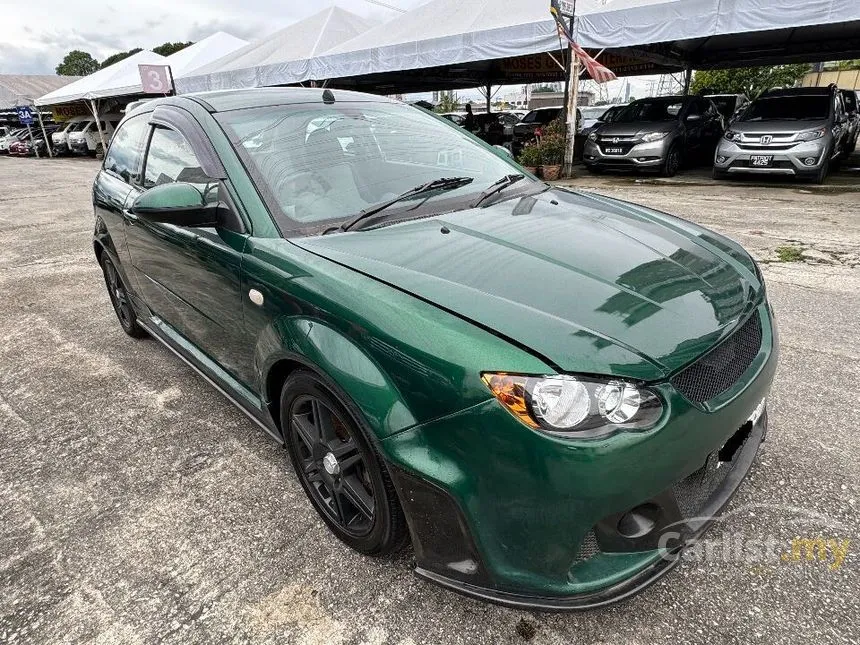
point(155, 79)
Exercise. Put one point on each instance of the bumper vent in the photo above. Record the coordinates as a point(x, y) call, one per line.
point(719, 369)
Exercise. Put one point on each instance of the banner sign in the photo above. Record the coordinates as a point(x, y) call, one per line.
point(567, 8)
point(66, 112)
point(155, 79)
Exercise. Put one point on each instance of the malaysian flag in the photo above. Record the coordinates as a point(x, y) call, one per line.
point(595, 70)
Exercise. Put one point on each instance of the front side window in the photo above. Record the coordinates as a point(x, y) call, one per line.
point(171, 159)
point(321, 164)
point(125, 154)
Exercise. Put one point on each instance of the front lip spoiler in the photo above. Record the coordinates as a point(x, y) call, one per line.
point(641, 580)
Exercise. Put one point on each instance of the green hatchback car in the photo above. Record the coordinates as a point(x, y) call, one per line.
point(548, 393)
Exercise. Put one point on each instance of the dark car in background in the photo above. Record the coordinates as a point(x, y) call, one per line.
point(525, 130)
point(849, 99)
point(496, 128)
point(656, 134)
point(796, 132)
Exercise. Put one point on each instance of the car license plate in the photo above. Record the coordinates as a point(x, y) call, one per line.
point(761, 161)
point(615, 151)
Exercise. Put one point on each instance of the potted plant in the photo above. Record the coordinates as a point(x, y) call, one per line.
point(552, 147)
point(530, 158)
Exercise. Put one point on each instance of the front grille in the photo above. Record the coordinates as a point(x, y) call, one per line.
point(719, 369)
point(588, 549)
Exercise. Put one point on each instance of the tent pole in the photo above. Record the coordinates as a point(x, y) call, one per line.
point(572, 101)
point(95, 110)
point(489, 96)
point(688, 77)
point(44, 134)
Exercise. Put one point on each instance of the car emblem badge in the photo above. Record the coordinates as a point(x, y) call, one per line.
point(766, 139)
point(615, 140)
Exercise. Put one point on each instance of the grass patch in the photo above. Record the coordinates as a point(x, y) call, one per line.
point(789, 253)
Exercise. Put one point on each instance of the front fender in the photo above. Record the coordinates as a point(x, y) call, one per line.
point(330, 353)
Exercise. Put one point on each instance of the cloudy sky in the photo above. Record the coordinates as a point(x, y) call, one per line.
point(34, 42)
point(35, 45)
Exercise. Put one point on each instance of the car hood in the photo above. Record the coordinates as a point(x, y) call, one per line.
point(588, 284)
point(777, 127)
point(636, 128)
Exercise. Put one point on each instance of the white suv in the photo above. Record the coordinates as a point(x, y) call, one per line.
point(86, 140)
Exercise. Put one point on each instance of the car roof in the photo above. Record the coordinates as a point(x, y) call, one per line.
point(797, 91)
point(226, 100)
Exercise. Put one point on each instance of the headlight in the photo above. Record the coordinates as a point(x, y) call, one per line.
point(592, 136)
point(575, 407)
point(731, 135)
point(811, 135)
point(654, 136)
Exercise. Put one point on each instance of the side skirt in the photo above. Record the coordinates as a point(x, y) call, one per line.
point(213, 374)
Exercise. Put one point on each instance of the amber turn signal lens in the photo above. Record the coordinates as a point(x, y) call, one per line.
point(510, 390)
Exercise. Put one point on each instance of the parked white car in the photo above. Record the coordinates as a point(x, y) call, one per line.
point(87, 141)
point(60, 138)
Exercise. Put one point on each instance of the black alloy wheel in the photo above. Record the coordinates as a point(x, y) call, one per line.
point(672, 162)
point(119, 299)
point(338, 469)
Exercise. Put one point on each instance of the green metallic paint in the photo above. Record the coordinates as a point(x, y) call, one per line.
point(404, 320)
point(497, 469)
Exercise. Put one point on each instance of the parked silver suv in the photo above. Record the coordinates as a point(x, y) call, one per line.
point(796, 132)
point(657, 133)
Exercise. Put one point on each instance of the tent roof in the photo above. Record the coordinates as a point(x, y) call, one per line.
point(120, 79)
point(271, 56)
point(204, 52)
point(16, 89)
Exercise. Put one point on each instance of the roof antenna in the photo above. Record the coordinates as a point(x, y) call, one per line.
point(328, 97)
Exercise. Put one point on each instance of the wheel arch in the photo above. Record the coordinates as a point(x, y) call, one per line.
point(307, 343)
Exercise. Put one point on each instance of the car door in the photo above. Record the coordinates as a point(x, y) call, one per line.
point(694, 124)
point(121, 169)
point(190, 276)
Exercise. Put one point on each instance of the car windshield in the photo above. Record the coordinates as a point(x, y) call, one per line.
point(650, 110)
point(789, 108)
point(318, 165)
point(593, 112)
point(541, 116)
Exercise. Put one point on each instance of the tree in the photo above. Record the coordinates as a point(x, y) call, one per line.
point(168, 48)
point(751, 81)
point(543, 89)
point(448, 102)
point(77, 63)
point(847, 65)
point(115, 58)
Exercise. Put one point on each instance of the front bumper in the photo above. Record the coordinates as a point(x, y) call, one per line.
point(734, 159)
point(78, 147)
point(502, 513)
point(642, 155)
point(60, 147)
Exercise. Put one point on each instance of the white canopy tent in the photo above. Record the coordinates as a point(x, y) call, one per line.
point(463, 43)
point(277, 59)
point(203, 52)
point(120, 79)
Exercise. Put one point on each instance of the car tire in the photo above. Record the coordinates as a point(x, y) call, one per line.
point(340, 471)
point(672, 162)
point(120, 300)
point(719, 174)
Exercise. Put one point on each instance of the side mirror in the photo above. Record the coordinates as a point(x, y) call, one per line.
point(178, 204)
point(505, 150)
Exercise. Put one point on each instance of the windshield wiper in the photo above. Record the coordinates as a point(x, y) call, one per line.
point(497, 187)
point(441, 184)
